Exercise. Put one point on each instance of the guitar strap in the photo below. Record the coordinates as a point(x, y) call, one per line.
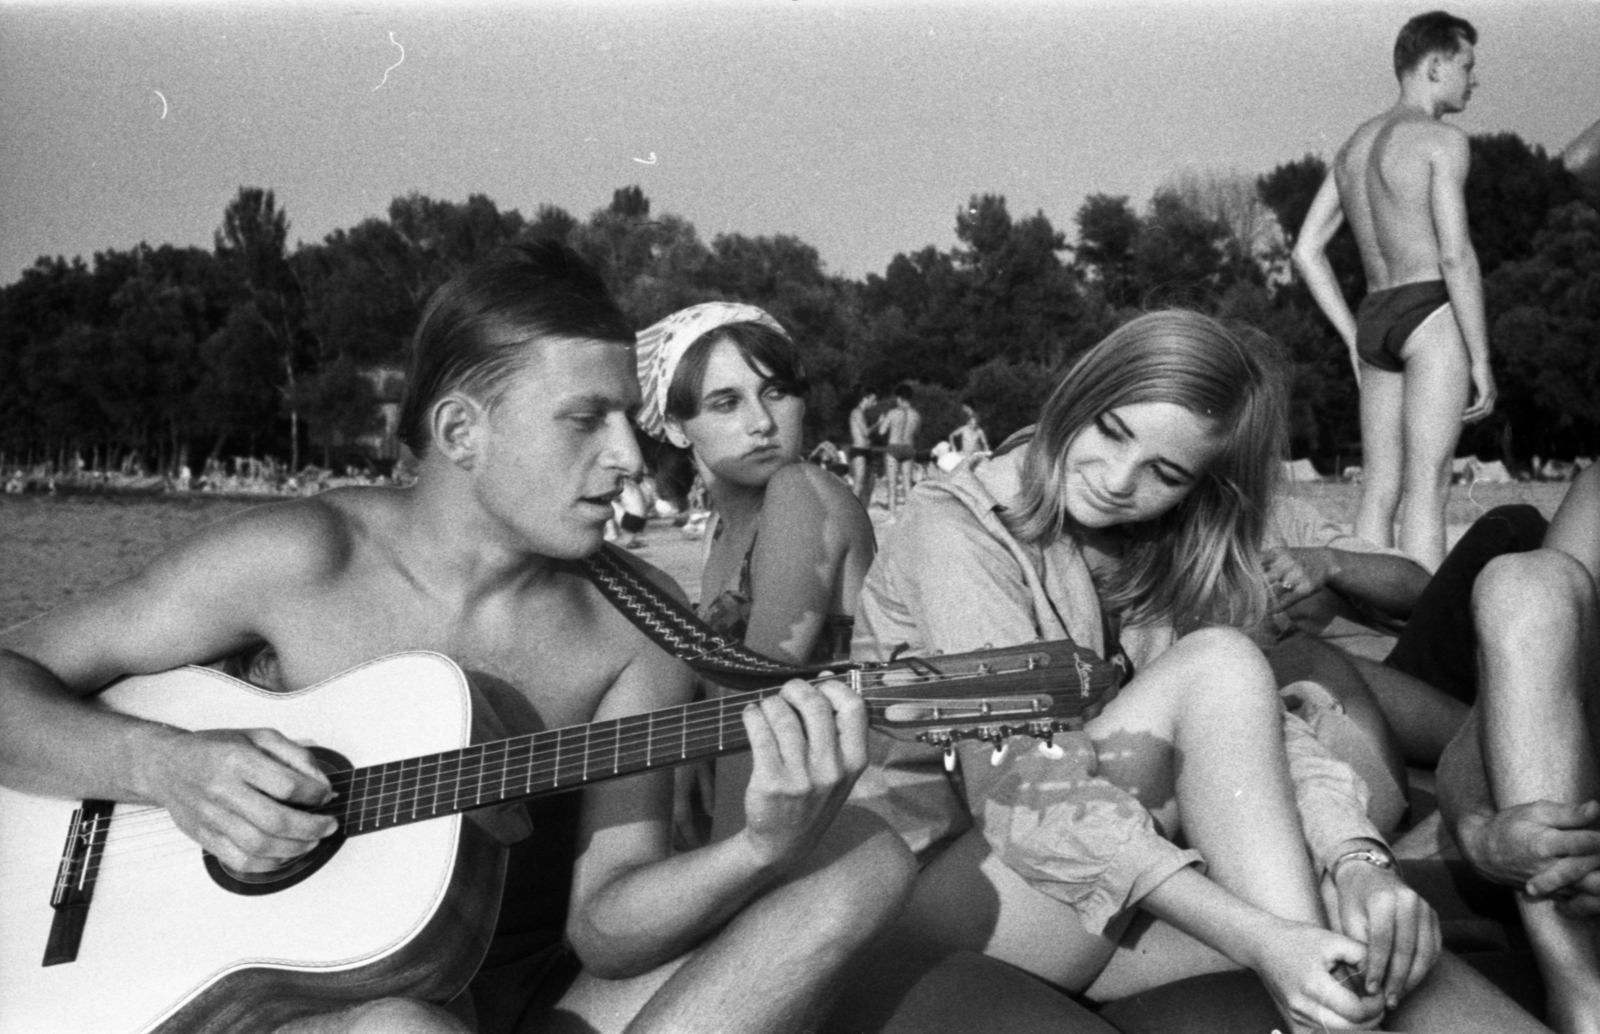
point(679, 631)
point(728, 662)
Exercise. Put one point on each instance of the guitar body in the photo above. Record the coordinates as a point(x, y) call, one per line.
point(403, 900)
point(403, 911)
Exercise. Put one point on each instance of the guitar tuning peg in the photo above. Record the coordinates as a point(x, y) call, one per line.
point(949, 757)
point(999, 754)
point(1051, 749)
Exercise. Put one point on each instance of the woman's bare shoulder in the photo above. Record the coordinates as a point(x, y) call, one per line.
point(803, 491)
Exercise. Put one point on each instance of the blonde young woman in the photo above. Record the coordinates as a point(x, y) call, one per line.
point(1195, 827)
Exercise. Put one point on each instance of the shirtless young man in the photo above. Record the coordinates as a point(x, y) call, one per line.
point(901, 425)
point(1519, 787)
point(520, 392)
point(1419, 343)
point(861, 447)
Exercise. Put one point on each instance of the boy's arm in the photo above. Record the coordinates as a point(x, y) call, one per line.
point(1310, 257)
point(225, 788)
point(1458, 262)
point(635, 905)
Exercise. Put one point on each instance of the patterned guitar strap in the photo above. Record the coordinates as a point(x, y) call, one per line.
point(680, 632)
point(728, 662)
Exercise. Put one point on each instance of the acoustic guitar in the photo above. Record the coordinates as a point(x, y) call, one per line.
point(112, 920)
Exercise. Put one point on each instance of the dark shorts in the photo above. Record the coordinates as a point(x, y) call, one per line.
point(1387, 319)
point(902, 452)
point(862, 452)
point(1439, 644)
point(632, 522)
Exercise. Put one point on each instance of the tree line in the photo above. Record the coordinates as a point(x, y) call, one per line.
point(164, 356)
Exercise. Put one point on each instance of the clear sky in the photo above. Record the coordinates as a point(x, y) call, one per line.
point(858, 126)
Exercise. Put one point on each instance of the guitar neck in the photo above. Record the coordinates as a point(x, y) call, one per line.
point(938, 699)
point(399, 792)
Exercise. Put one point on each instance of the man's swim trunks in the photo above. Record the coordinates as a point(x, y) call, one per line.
point(902, 451)
point(1387, 318)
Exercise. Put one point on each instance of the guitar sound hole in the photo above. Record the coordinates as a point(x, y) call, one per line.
point(285, 876)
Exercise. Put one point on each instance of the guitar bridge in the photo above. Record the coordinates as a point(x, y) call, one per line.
point(80, 866)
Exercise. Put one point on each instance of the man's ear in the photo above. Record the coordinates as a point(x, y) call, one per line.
point(457, 422)
point(1434, 61)
point(675, 433)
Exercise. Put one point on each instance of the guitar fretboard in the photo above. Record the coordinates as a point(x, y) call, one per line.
point(411, 790)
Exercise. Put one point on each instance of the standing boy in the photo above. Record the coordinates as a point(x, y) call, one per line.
point(1419, 343)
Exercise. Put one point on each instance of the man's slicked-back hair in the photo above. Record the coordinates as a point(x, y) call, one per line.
point(1436, 32)
point(478, 327)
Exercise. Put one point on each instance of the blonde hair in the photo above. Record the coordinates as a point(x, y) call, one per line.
point(1200, 562)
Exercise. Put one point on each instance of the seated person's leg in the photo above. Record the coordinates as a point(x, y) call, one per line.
point(1437, 644)
point(1454, 998)
point(777, 964)
point(1209, 698)
point(1422, 720)
point(385, 1016)
point(1575, 530)
point(1539, 650)
point(904, 986)
point(1360, 737)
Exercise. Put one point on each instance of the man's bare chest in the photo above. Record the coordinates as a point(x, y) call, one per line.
point(544, 662)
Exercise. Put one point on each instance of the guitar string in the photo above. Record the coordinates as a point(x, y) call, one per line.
point(623, 749)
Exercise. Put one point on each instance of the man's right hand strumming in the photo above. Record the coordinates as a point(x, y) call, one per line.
point(240, 794)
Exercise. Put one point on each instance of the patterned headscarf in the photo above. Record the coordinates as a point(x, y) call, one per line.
point(662, 344)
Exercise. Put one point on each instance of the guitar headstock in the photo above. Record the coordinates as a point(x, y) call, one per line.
point(991, 695)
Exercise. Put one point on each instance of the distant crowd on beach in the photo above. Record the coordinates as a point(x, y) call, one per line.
point(243, 475)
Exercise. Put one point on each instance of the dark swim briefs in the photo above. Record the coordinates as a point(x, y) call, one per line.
point(902, 451)
point(1387, 318)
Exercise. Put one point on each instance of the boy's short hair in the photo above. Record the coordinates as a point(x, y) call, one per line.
point(904, 391)
point(476, 329)
point(1436, 32)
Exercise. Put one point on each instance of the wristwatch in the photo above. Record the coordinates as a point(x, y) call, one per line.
point(1375, 855)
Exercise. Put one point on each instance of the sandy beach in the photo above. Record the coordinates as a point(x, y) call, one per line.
point(54, 548)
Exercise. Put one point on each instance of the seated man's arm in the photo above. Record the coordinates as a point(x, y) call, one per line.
point(634, 905)
point(1386, 581)
point(194, 604)
point(1541, 848)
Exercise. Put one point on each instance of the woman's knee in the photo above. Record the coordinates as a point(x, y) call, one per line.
point(1222, 667)
point(1225, 655)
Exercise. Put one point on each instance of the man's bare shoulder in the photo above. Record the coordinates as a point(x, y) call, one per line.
point(305, 538)
point(1356, 146)
point(218, 591)
point(1416, 140)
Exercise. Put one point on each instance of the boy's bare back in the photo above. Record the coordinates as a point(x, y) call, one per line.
point(1386, 176)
